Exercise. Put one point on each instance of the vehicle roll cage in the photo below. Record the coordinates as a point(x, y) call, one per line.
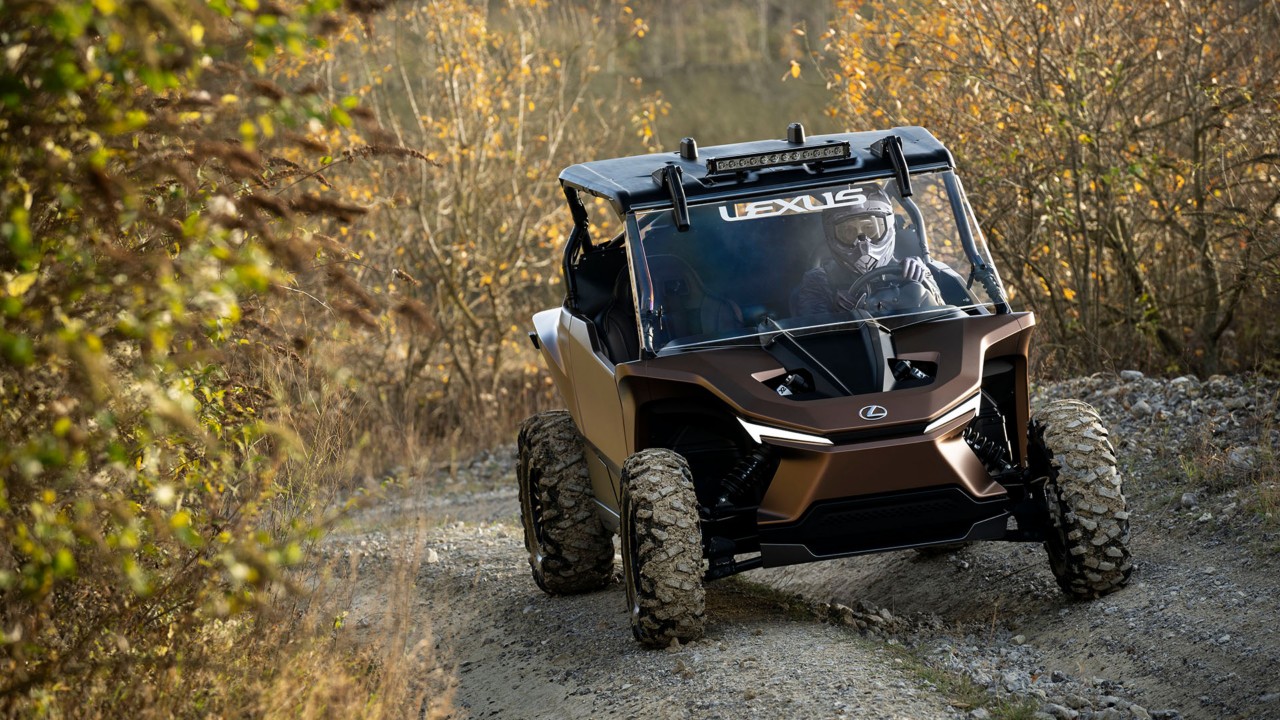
point(674, 180)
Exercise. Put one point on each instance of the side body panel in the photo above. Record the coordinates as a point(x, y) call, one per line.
point(571, 351)
point(550, 326)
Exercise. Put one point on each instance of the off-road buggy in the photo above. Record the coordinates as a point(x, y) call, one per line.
point(716, 428)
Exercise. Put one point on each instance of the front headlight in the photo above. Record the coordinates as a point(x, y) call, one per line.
point(759, 432)
point(972, 405)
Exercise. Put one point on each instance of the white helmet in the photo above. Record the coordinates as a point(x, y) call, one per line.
point(860, 235)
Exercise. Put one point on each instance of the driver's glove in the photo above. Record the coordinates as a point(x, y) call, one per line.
point(914, 269)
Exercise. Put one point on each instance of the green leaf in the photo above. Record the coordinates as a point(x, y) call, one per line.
point(64, 563)
point(17, 349)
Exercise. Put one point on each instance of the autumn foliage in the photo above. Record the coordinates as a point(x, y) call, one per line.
point(465, 248)
point(1122, 157)
point(251, 254)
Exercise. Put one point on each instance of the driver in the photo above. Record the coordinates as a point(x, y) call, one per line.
point(860, 238)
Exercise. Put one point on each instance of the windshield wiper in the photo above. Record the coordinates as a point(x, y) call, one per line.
point(805, 354)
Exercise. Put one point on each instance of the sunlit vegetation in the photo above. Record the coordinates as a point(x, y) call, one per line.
point(466, 246)
point(256, 257)
point(251, 251)
point(1122, 156)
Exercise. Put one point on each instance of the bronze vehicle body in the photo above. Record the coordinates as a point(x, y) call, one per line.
point(896, 418)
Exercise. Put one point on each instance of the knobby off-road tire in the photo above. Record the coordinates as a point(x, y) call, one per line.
point(1088, 540)
point(570, 551)
point(662, 548)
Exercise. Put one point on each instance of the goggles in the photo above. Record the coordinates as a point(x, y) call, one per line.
point(849, 230)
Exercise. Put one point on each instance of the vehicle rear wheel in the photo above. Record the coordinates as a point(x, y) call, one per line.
point(570, 551)
point(662, 558)
point(1088, 535)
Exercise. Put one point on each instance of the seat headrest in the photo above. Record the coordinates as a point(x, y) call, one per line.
point(675, 280)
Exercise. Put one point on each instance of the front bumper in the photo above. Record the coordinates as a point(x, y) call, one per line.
point(878, 495)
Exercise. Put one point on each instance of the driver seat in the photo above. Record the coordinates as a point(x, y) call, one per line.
point(617, 322)
point(688, 309)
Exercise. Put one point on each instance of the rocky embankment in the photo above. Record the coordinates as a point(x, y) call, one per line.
point(976, 633)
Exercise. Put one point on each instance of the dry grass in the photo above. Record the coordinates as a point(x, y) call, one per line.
point(1248, 471)
point(295, 658)
point(1266, 477)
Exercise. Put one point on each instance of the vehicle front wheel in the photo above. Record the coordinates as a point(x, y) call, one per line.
point(662, 558)
point(570, 551)
point(1088, 535)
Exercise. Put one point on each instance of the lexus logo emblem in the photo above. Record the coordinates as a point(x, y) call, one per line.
point(873, 412)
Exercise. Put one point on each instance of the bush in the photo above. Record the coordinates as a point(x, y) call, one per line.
point(207, 338)
point(152, 228)
point(1123, 161)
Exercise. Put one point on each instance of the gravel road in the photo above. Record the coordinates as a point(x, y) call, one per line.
point(976, 633)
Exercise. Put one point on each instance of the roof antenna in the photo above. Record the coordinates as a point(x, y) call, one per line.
point(689, 149)
point(795, 134)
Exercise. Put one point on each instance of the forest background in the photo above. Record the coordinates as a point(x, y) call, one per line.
point(254, 253)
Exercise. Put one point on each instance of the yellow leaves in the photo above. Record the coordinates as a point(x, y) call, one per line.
point(248, 134)
point(19, 284)
point(793, 72)
point(180, 519)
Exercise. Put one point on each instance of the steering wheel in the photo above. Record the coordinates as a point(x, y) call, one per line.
point(878, 275)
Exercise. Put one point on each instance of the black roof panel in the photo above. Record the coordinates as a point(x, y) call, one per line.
point(627, 182)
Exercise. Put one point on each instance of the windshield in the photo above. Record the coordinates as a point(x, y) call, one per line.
point(806, 261)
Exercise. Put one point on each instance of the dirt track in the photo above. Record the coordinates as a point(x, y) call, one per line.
point(519, 653)
point(1195, 635)
point(1161, 644)
point(1195, 631)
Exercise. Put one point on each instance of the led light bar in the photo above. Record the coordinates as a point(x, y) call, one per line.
point(755, 161)
point(973, 404)
point(759, 432)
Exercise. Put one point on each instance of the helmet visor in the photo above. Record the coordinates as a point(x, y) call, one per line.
point(872, 228)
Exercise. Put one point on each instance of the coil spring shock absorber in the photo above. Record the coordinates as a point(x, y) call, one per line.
point(987, 437)
point(994, 455)
point(743, 481)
